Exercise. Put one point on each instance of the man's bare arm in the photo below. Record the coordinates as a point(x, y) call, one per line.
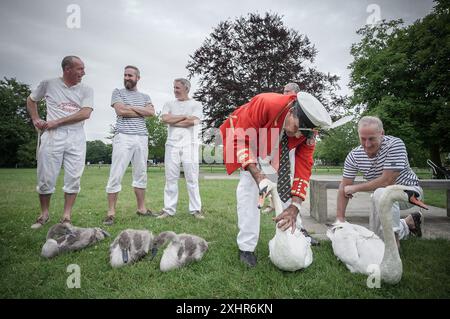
point(387, 178)
point(342, 199)
point(146, 111)
point(79, 116)
point(125, 110)
point(189, 121)
point(32, 109)
point(172, 119)
point(257, 175)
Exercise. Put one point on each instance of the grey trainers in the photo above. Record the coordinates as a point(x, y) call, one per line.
point(164, 215)
point(418, 219)
point(199, 215)
point(109, 220)
point(147, 213)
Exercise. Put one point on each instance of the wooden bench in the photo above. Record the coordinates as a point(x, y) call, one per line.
point(318, 194)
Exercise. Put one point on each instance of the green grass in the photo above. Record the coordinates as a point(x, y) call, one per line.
point(219, 275)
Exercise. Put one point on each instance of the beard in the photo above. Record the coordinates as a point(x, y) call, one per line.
point(129, 84)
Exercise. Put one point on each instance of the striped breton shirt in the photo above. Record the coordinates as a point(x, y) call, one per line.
point(392, 155)
point(130, 125)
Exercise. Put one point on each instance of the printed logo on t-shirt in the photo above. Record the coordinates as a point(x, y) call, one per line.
point(69, 107)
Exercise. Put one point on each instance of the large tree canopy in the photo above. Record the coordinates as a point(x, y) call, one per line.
point(17, 134)
point(251, 55)
point(401, 74)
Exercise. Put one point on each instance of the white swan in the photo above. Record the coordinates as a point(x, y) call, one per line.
point(182, 249)
point(287, 251)
point(357, 247)
point(130, 246)
point(65, 237)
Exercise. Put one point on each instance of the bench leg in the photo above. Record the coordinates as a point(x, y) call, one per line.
point(318, 202)
point(448, 202)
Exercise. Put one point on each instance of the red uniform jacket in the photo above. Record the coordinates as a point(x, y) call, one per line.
point(249, 131)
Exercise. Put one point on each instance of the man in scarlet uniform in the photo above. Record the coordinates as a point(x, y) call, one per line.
point(268, 127)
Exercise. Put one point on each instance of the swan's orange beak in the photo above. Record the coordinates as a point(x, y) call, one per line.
point(414, 200)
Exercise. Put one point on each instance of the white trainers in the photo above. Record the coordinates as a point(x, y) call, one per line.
point(198, 215)
point(164, 215)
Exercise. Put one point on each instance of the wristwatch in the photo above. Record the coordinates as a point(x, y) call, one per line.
point(296, 205)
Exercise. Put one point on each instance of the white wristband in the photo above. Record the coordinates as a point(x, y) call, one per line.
point(296, 205)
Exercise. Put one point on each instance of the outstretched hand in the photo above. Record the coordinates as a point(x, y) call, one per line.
point(287, 219)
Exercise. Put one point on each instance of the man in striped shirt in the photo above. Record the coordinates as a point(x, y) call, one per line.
point(383, 161)
point(130, 142)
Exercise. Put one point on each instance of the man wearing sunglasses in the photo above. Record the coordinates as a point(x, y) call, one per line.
point(268, 127)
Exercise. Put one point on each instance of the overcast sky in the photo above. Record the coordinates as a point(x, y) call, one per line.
point(158, 37)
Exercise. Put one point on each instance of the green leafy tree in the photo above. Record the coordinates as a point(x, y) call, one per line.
point(401, 74)
point(333, 147)
point(97, 151)
point(251, 55)
point(17, 133)
point(157, 136)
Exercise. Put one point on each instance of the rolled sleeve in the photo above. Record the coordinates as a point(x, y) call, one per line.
point(350, 168)
point(116, 97)
point(88, 98)
point(39, 92)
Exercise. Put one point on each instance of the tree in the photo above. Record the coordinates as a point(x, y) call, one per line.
point(401, 74)
point(157, 136)
point(251, 55)
point(333, 147)
point(17, 133)
point(97, 151)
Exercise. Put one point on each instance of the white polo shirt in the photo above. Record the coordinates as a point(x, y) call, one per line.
point(62, 100)
point(180, 136)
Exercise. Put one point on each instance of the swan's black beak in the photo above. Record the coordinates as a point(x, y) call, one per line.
point(413, 199)
point(262, 196)
point(154, 252)
point(105, 233)
point(125, 255)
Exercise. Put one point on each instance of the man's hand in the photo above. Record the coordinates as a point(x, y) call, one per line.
point(40, 124)
point(52, 124)
point(349, 190)
point(287, 218)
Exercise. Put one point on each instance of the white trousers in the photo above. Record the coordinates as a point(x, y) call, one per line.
point(128, 148)
point(399, 225)
point(247, 194)
point(61, 146)
point(174, 156)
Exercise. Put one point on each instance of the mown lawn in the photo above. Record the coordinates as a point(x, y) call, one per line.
point(219, 275)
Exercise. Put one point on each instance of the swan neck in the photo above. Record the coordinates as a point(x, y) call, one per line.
point(277, 204)
point(391, 250)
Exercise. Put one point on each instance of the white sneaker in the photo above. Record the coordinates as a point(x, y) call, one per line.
point(198, 215)
point(164, 215)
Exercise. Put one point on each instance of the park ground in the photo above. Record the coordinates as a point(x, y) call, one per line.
point(25, 274)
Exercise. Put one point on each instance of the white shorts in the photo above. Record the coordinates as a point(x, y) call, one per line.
point(61, 146)
point(128, 148)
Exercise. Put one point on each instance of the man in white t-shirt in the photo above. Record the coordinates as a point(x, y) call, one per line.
point(183, 117)
point(130, 143)
point(63, 141)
